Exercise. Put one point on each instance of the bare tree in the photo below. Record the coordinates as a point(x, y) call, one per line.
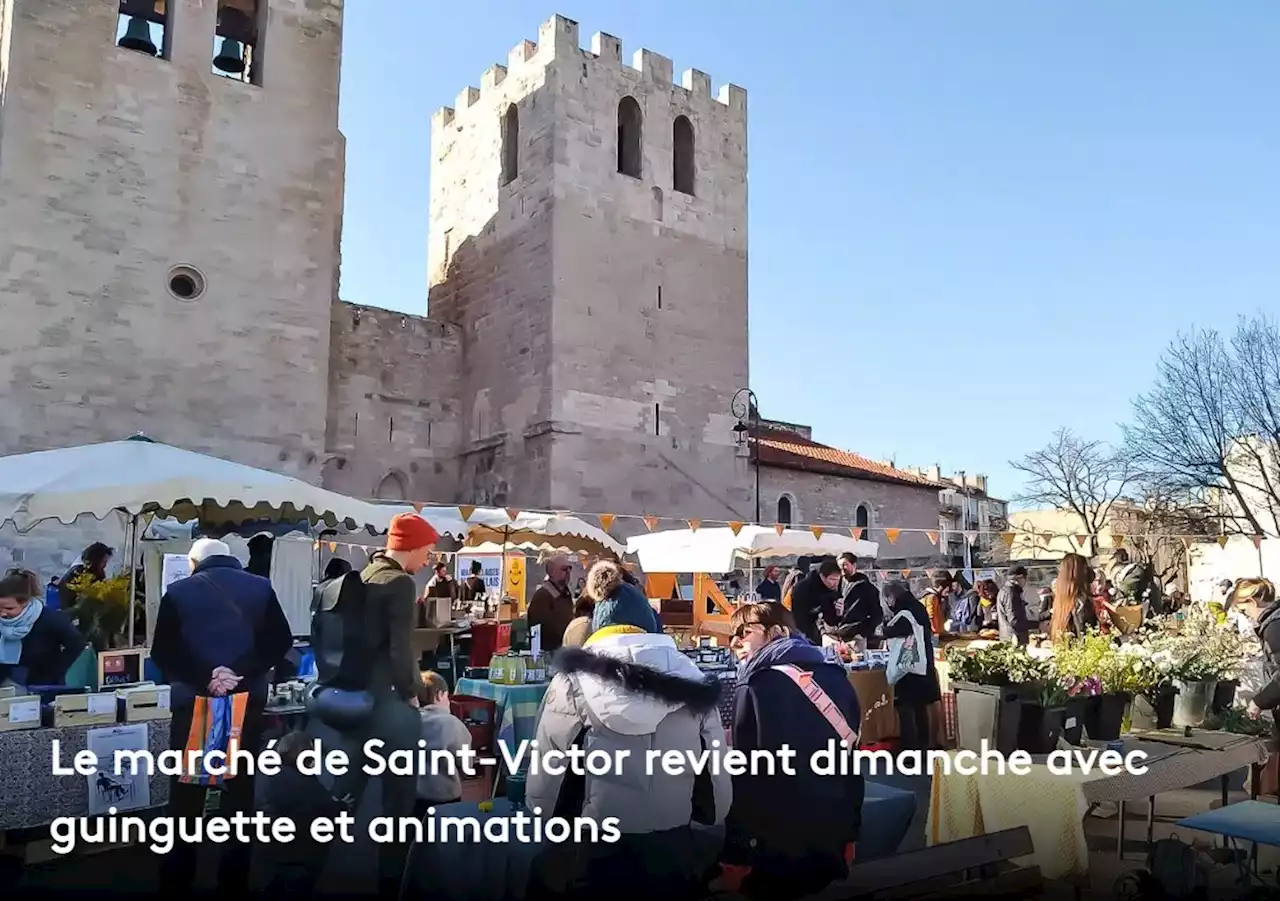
point(1209, 428)
point(1155, 526)
point(1083, 477)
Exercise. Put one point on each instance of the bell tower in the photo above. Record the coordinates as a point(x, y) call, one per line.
point(589, 235)
point(176, 168)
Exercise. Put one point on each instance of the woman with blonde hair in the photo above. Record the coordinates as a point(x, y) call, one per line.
point(1073, 612)
point(1256, 599)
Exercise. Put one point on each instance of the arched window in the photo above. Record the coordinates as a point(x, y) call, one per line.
point(392, 488)
point(682, 155)
point(784, 510)
point(862, 519)
point(630, 128)
point(510, 144)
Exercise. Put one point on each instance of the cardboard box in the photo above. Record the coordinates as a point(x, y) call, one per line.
point(97, 709)
point(19, 712)
point(140, 703)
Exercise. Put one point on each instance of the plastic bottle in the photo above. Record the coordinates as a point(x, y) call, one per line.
point(497, 670)
point(517, 671)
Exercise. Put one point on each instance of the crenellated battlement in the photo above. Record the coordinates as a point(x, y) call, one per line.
point(558, 39)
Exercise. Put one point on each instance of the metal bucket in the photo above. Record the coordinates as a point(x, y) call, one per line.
point(1191, 706)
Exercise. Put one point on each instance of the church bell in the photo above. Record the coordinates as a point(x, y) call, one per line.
point(137, 36)
point(230, 58)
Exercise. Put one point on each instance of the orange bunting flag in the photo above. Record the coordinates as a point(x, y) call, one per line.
point(736, 527)
point(333, 547)
point(417, 508)
point(933, 538)
point(857, 533)
point(1080, 540)
point(892, 535)
point(779, 528)
point(651, 522)
point(1222, 541)
point(1008, 538)
point(817, 532)
point(467, 513)
point(693, 524)
point(1117, 541)
point(512, 513)
point(906, 574)
point(1257, 542)
point(606, 521)
point(317, 546)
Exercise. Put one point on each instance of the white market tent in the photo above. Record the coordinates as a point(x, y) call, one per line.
point(720, 550)
point(557, 532)
point(140, 477)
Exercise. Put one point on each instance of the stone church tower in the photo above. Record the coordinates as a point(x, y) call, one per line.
point(171, 183)
point(588, 236)
point(171, 196)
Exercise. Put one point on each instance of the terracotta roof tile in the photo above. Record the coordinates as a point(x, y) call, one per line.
point(789, 450)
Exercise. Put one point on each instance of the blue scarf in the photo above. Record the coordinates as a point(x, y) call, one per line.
point(13, 631)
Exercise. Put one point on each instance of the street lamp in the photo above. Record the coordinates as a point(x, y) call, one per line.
point(746, 409)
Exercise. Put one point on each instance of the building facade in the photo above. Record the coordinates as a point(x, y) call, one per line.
point(178, 172)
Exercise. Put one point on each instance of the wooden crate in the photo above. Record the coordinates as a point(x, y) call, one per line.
point(98, 709)
point(144, 702)
point(19, 712)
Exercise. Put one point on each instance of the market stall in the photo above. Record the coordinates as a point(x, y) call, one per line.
point(142, 480)
point(1166, 690)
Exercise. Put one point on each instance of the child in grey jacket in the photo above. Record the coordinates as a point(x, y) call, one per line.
point(441, 731)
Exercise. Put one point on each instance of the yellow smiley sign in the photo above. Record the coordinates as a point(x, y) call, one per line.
point(513, 582)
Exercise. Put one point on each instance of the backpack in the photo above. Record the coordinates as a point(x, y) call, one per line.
point(340, 633)
point(1174, 872)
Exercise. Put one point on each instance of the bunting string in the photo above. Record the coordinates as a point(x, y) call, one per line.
point(892, 534)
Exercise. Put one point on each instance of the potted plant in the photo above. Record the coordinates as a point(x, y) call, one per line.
point(1151, 678)
point(102, 608)
point(1042, 717)
point(1195, 678)
point(1081, 661)
point(990, 686)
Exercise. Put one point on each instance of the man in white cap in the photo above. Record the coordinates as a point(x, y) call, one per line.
point(218, 631)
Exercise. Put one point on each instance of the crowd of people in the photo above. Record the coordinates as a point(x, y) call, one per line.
point(619, 683)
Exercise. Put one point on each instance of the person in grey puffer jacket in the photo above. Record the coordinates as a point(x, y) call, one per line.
point(630, 688)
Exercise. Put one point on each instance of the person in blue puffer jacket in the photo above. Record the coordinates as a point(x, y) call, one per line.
point(788, 836)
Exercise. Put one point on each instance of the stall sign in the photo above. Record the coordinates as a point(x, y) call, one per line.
point(176, 566)
point(497, 582)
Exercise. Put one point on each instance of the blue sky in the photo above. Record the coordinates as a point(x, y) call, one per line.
point(971, 222)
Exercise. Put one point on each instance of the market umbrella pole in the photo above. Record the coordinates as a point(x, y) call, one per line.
point(133, 573)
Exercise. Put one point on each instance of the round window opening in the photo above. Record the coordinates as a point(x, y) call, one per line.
point(185, 283)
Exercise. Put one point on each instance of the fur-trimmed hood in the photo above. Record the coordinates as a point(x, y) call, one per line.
point(631, 682)
point(603, 579)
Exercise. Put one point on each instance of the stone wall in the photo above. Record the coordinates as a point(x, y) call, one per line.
point(120, 167)
point(832, 501)
point(395, 406)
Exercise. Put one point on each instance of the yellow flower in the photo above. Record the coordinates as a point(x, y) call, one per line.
point(486, 806)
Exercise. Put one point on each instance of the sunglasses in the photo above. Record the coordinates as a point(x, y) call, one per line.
point(741, 632)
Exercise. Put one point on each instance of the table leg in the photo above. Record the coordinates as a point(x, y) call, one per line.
point(453, 657)
point(1151, 821)
point(1120, 829)
point(1224, 783)
point(1255, 779)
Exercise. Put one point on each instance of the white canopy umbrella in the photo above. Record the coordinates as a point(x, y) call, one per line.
point(720, 550)
point(531, 531)
point(140, 476)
